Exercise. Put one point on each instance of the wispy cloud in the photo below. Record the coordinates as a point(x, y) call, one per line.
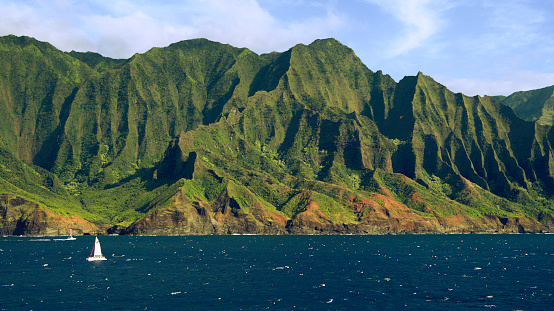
point(508, 25)
point(507, 48)
point(421, 19)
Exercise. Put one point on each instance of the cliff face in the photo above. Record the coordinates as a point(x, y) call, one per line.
point(192, 218)
point(204, 138)
point(226, 217)
point(21, 217)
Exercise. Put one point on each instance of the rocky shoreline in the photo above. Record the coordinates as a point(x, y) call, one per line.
point(22, 217)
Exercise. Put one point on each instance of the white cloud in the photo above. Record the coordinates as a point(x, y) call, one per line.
point(505, 85)
point(120, 28)
point(45, 21)
point(421, 19)
point(245, 23)
point(134, 33)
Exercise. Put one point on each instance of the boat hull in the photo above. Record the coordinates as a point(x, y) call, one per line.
point(68, 239)
point(96, 258)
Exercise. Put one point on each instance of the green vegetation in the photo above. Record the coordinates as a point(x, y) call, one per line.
point(534, 105)
point(198, 121)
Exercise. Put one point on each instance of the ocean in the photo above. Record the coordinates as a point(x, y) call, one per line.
point(245, 272)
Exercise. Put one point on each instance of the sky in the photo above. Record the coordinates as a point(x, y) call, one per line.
point(476, 47)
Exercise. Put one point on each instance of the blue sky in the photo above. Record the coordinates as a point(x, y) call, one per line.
point(477, 47)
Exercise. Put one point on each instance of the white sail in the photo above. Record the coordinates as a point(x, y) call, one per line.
point(96, 253)
point(97, 249)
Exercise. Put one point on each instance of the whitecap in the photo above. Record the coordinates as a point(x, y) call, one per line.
point(330, 300)
point(477, 268)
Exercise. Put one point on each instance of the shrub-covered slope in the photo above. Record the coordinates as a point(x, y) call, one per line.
point(534, 105)
point(200, 138)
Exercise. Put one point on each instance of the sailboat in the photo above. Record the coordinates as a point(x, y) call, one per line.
point(69, 238)
point(96, 253)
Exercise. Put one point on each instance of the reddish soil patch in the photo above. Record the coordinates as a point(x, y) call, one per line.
point(279, 219)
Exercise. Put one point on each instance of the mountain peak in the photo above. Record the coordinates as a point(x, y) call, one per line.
point(26, 41)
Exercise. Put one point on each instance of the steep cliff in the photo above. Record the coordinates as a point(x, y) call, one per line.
point(204, 138)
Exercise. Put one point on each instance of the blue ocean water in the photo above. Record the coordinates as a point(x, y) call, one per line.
point(391, 272)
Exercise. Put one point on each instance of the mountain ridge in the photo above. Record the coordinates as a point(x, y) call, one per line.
point(534, 105)
point(200, 137)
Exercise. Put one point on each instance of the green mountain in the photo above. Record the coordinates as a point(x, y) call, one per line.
point(205, 138)
point(534, 105)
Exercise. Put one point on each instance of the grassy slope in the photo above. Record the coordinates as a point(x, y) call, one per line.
point(534, 105)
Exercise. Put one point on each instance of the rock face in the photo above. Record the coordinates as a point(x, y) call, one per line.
point(183, 217)
point(195, 218)
point(21, 217)
point(226, 217)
